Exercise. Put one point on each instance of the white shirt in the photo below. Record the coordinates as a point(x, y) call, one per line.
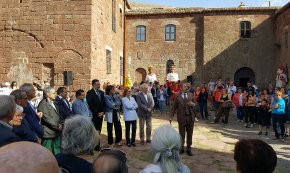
point(155, 168)
point(151, 78)
point(145, 95)
point(241, 99)
point(172, 77)
point(184, 94)
point(232, 90)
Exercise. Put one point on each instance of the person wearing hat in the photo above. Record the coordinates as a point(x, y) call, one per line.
point(151, 77)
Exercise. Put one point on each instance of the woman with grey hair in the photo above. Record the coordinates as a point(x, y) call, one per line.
point(50, 121)
point(166, 144)
point(79, 137)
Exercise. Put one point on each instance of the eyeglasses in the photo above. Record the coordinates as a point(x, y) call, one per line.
point(119, 154)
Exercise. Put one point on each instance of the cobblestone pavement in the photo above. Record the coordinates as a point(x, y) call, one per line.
point(213, 146)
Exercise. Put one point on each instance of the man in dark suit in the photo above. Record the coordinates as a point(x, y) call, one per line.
point(31, 116)
point(145, 107)
point(7, 107)
point(23, 131)
point(97, 104)
point(183, 105)
point(62, 103)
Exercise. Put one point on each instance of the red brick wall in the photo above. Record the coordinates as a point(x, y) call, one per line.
point(225, 52)
point(156, 51)
point(282, 27)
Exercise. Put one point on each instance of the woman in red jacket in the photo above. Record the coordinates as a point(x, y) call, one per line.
point(239, 101)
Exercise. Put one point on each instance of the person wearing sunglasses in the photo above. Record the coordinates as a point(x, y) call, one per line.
point(278, 112)
point(166, 143)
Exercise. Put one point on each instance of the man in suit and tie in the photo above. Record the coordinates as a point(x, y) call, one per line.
point(183, 105)
point(145, 107)
point(31, 116)
point(62, 103)
point(97, 104)
point(7, 107)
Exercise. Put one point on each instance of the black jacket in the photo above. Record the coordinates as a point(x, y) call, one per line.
point(96, 105)
point(64, 109)
point(7, 136)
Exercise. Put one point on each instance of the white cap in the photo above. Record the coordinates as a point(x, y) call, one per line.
point(19, 108)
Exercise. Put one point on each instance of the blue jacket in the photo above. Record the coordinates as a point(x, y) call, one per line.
point(32, 119)
point(7, 136)
point(110, 106)
point(64, 108)
point(25, 132)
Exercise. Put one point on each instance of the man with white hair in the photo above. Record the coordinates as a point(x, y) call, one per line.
point(7, 107)
point(145, 106)
point(31, 115)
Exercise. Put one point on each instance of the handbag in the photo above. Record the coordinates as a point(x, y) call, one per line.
point(228, 105)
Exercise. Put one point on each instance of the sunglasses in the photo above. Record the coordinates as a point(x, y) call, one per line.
point(119, 154)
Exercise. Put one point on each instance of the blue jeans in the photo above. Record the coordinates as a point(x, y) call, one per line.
point(278, 119)
point(203, 108)
point(240, 112)
point(162, 105)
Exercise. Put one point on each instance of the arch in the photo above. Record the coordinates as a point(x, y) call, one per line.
point(244, 75)
point(34, 37)
point(140, 74)
point(168, 64)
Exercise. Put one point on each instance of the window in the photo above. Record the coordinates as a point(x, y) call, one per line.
point(286, 39)
point(245, 29)
point(121, 65)
point(114, 15)
point(121, 18)
point(170, 32)
point(141, 33)
point(109, 61)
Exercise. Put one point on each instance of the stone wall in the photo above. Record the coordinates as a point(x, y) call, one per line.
point(156, 51)
point(105, 38)
point(282, 33)
point(40, 39)
point(225, 51)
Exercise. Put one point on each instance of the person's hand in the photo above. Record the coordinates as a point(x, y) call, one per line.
point(101, 114)
point(149, 109)
point(39, 114)
point(59, 127)
point(191, 103)
point(38, 140)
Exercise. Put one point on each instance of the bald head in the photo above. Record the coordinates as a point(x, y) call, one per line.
point(22, 157)
point(108, 163)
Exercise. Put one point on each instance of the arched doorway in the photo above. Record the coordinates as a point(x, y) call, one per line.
point(168, 64)
point(244, 75)
point(140, 75)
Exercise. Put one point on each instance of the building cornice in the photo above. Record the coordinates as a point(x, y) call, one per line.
point(176, 11)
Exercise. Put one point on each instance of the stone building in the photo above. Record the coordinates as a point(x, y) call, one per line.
point(282, 34)
point(229, 43)
point(41, 39)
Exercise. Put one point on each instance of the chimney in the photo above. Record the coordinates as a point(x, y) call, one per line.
point(269, 3)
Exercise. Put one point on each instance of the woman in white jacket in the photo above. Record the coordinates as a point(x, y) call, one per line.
point(130, 116)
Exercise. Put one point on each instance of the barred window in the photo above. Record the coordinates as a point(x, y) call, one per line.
point(245, 27)
point(114, 15)
point(109, 61)
point(170, 32)
point(141, 33)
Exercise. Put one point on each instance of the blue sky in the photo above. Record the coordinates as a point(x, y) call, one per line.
point(214, 3)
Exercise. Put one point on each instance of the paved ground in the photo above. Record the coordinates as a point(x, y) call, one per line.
point(213, 146)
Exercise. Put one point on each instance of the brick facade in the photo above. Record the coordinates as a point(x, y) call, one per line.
point(40, 39)
point(208, 44)
point(282, 33)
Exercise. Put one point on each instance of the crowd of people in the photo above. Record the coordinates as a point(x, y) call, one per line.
point(70, 125)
